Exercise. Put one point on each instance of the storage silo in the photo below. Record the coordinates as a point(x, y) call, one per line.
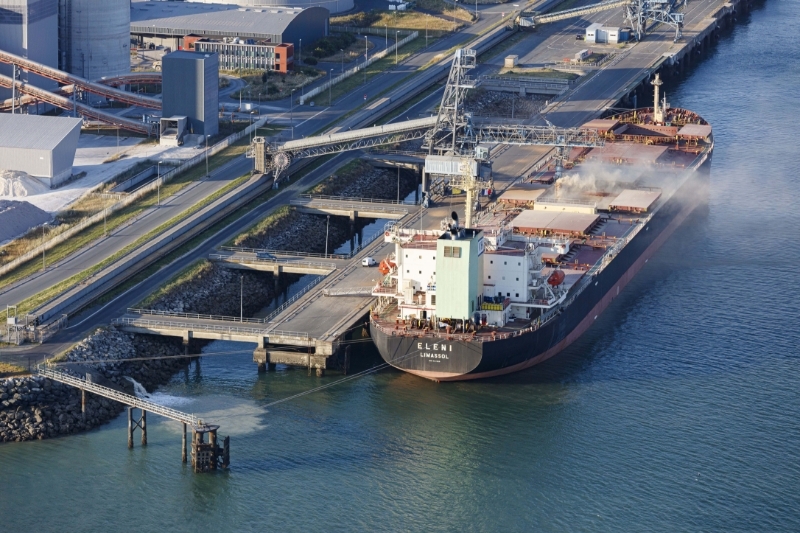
point(28, 29)
point(94, 37)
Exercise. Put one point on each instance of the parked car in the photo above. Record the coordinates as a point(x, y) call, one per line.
point(368, 262)
point(264, 255)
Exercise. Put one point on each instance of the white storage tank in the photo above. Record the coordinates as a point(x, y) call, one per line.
point(95, 37)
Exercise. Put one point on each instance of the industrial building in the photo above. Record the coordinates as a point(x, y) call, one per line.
point(597, 33)
point(235, 54)
point(43, 147)
point(334, 6)
point(94, 38)
point(28, 28)
point(169, 23)
point(190, 90)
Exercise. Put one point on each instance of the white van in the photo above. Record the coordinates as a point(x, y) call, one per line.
point(368, 262)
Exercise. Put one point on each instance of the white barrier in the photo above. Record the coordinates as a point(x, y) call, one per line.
point(358, 68)
point(129, 199)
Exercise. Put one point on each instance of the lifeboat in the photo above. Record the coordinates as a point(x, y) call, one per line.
point(386, 266)
point(556, 278)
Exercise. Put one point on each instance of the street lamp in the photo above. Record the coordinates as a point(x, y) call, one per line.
point(386, 27)
point(241, 297)
point(291, 111)
point(158, 180)
point(366, 57)
point(396, 40)
point(426, 30)
point(207, 136)
point(327, 227)
point(45, 225)
point(300, 58)
point(342, 51)
point(330, 85)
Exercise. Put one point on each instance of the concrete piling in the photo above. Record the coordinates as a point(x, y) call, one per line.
point(183, 444)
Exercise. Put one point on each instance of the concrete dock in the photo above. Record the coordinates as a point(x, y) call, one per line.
point(309, 329)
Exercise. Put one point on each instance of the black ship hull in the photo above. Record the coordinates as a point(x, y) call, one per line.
point(441, 359)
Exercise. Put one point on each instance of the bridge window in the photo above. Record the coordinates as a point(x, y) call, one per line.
point(452, 251)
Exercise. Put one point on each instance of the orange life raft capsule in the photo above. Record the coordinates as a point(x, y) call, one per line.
point(556, 278)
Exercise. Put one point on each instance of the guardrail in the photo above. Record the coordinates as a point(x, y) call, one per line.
point(199, 326)
point(116, 395)
point(244, 260)
point(348, 291)
point(246, 250)
point(358, 68)
point(129, 199)
point(345, 206)
point(354, 199)
point(222, 318)
point(293, 299)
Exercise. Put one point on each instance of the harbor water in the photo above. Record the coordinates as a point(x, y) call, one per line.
point(677, 411)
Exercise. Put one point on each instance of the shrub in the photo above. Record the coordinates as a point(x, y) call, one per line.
point(310, 61)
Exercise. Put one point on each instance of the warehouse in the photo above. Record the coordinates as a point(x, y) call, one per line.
point(41, 146)
point(168, 23)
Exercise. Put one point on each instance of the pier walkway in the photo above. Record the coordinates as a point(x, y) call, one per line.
point(350, 207)
point(112, 394)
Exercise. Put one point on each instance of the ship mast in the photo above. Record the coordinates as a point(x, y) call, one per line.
point(658, 111)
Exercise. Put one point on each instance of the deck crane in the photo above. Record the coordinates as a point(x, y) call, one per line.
point(451, 135)
point(637, 13)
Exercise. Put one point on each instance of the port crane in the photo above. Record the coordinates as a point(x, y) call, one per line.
point(450, 134)
point(638, 13)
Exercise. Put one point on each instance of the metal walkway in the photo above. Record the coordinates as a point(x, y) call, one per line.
point(121, 397)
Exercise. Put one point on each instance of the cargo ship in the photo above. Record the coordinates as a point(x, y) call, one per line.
point(540, 264)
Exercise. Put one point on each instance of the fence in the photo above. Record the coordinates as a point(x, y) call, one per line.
point(129, 199)
point(197, 316)
point(358, 68)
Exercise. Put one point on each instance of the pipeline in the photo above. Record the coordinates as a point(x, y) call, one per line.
point(70, 79)
point(83, 109)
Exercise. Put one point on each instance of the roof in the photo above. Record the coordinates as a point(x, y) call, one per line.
point(635, 199)
point(554, 221)
point(224, 19)
point(600, 124)
point(35, 132)
point(695, 130)
point(632, 153)
point(520, 193)
point(185, 54)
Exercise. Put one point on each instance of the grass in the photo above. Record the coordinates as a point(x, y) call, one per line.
point(7, 369)
point(398, 20)
point(539, 73)
point(122, 216)
point(273, 86)
point(352, 83)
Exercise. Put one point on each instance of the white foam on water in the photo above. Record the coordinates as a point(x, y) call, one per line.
point(167, 400)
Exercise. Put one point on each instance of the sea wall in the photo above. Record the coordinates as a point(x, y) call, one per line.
point(34, 407)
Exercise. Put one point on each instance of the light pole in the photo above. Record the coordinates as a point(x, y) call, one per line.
point(366, 57)
point(158, 181)
point(330, 85)
point(291, 111)
point(241, 297)
point(386, 27)
point(327, 227)
point(207, 136)
point(300, 58)
point(43, 250)
point(426, 30)
point(342, 51)
point(396, 40)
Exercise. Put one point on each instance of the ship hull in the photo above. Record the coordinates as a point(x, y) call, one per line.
point(446, 360)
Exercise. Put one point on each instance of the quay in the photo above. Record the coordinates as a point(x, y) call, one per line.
point(312, 328)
